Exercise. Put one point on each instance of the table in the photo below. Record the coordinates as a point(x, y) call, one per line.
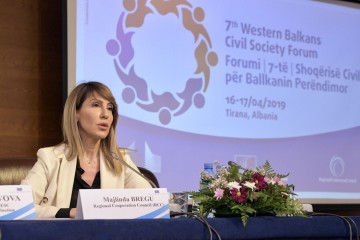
point(266, 227)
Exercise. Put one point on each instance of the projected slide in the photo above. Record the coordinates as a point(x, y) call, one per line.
point(246, 81)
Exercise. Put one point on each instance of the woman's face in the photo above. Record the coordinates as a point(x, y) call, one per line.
point(94, 118)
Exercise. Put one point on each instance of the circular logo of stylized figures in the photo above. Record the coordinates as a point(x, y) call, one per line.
point(337, 166)
point(166, 104)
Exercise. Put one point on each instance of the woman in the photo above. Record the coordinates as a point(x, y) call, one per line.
point(88, 157)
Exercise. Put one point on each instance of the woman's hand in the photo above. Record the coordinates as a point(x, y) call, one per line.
point(73, 213)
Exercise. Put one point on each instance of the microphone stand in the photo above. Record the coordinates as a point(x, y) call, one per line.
point(115, 156)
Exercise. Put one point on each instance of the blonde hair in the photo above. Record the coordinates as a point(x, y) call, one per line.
point(70, 128)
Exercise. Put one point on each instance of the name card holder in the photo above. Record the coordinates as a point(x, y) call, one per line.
point(16, 202)
point(123, 203)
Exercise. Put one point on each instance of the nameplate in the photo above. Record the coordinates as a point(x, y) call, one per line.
point(123, 203)
point(16, 202)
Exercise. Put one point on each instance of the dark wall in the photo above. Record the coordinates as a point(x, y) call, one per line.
point(31, 82)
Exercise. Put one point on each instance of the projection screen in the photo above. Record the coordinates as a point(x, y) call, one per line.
point(246, 81)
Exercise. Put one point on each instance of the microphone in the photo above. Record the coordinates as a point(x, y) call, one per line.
point(115, 156)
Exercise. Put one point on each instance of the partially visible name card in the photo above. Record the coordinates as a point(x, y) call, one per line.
point(16, 202)
point(123, 203)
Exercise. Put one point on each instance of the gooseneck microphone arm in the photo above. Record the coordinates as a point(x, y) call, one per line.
point(115, 156)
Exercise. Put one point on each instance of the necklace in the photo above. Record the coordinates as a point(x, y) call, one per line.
point(91, 160)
